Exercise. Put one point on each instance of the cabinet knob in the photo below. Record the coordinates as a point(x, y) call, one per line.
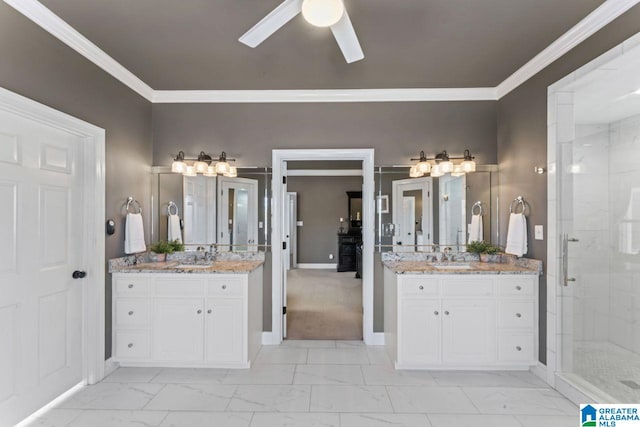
point(518, 315)
point(130, 285)
point(130, 345)
point(131, 313)
point(224, 286)
point(518, 288)
point(209, 311)
point(436, 312)
point(518, 348)
point(421, 287)
point(199, 311)
point(446, 313)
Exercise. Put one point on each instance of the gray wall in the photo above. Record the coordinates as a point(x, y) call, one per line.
point(522, 137)
point(322, 201)
point(398, 131)
point(38, 66)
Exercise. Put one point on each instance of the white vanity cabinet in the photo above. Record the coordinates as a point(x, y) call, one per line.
point(190, 320)
point(456, 321)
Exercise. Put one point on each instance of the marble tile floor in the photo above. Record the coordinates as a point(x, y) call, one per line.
point(314, 383)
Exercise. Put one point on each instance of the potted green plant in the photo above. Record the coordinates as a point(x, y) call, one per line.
point(163, 247)
point(485, 250)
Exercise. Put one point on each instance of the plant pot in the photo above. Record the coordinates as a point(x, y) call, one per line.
point(161, 257)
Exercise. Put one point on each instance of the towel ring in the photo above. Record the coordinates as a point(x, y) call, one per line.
point(478, 205)
point(518, 201)
point(172, 205)
point(130, 201)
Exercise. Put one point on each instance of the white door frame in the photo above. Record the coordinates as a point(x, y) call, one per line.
point(368, 231)
point(93, 299)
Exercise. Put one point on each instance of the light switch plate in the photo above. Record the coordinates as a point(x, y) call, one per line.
point(260, 224)
point(539, 232)
point(299, 223)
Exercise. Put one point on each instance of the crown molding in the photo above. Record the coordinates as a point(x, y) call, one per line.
point(52, 23)
point(592, 23)
point(324, 95)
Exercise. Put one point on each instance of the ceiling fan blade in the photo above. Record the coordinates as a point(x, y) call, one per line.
point(271, 23)
point(347, 39)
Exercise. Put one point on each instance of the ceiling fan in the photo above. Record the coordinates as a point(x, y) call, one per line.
point(321, 13)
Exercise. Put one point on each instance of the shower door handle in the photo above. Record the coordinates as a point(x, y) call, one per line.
point(565, 259)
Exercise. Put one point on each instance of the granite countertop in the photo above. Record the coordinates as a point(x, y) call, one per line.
point(216, 267)
point(425, 267)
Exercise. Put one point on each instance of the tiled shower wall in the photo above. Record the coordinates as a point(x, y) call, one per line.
point(624, 221)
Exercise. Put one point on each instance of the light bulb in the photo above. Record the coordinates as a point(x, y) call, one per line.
point(210, 172)
point(446, 166)
point(201, 167)
point(468, 166)
point(322, 13)
point(178, 166)
point(414, 172)
point(457, 170)
point(436, 171)
point(190, 171)
point(222, 168)
point(424, 167)
point(233, 172)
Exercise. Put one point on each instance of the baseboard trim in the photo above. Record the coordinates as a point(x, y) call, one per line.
point(540, 371)
point(110, 366)
point(377, 339)
point(317, 266)
point(268, 338)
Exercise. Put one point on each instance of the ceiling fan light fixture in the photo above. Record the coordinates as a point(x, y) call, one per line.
point(322, 13)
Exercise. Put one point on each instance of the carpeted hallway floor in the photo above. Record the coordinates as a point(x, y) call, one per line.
point(324, 305)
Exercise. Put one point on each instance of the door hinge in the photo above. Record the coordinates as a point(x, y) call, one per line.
point(284, 179)
point(284, 245)
point(284, 310)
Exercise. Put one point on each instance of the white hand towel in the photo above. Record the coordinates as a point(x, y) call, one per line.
point(476, 232)
point(134, 234)
point(517, 235)
point(173, 228)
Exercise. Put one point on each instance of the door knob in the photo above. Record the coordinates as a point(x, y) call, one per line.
point(79, 274)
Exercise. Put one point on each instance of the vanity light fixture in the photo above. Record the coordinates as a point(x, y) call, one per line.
point(443, 165)
point(203, 164)
point(468, 164)
point(233, 172)
point(223, 167)
point(178, 165)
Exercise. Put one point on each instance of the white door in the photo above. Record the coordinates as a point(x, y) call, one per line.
point(452, 205)
point(408, 224)
point(291, 220)
point(224, 330)
point(285, 253)
point(406, 220)
point(238, 214)
point(468, 331)
point(178, 329)
point(41, 232)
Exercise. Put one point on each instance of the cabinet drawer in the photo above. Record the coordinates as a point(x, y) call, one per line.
point(130, 345)
point(138, 286)
point(179, 287)
point(132, 312)
point(416, 285)
point(516, 285)
point(467, 285)
point(231, 287)
point(516, 315)
point(516, 348)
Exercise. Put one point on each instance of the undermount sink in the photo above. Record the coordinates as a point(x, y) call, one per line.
point(453, 266)
point(193, 266)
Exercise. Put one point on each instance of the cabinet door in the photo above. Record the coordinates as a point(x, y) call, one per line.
point(419, 328)
point(468, 331)
point(178, 329)
point(225, 331)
